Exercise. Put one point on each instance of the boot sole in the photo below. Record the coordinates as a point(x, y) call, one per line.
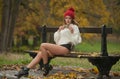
point(19, 76)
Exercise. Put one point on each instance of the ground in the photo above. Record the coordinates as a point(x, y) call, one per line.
point(58, 72)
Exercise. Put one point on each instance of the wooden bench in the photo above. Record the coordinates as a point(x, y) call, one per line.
point(103, 61)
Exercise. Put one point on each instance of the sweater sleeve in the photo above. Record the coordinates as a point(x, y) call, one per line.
point(56, 36)
point(76, 37)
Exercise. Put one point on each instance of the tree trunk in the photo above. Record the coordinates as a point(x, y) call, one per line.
point(13, 17)
point(10, 12)
point(5, 15)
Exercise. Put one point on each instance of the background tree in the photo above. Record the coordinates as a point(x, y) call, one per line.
point(9, 15)
point(87, 12)
point(113, 6)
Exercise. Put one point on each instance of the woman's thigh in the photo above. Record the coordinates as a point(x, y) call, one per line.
point(55, 49)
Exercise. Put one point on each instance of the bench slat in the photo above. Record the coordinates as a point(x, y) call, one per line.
point(82, 30)
point(79, 55)
point(73, 55)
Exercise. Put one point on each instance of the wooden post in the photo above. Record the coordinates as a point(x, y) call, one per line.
point(104, 41)
point(44, 34)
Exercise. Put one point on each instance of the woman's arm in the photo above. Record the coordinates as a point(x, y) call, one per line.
point(57, 34)
point(76, 37)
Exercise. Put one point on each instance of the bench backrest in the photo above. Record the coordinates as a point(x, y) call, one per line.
point(100, 30)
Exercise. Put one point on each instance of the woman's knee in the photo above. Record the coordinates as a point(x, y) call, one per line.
point(43, 48)
point(43, 45)
point(39, 54)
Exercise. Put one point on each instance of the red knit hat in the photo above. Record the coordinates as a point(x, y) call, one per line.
point(70, 12)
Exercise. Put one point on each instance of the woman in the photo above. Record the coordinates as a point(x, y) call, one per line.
point(65, 37)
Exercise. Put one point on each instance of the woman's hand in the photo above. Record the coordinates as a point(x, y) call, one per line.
point(61, 28)
point(71, 29)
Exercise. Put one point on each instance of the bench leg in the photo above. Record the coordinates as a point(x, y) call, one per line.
point(104, 65)
point(33, 55)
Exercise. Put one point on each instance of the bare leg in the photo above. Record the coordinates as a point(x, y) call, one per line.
point(41, 55)
point(44, 53)
point(35, 60)
point(54, 49)
point(45, 48)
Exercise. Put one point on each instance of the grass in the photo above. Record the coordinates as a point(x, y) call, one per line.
point(113, 47)
point(71, 62)
point(86, 46)
point(12, 58)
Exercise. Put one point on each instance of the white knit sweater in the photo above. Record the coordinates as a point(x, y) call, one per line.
point(65, 36)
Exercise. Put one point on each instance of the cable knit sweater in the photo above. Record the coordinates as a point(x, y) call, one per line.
point(65, 36)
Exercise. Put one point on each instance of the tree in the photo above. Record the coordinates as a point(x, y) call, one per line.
point(113, 7)
point(9, 15)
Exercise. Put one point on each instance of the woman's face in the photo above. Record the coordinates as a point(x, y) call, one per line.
point(68, 20)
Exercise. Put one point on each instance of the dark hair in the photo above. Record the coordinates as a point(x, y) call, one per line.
point(74, 22)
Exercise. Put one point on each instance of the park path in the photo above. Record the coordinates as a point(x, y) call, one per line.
point(58, 72)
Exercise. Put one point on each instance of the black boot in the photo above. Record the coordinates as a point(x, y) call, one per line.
point(42, 65)
point(23, 72)
point(46, 69)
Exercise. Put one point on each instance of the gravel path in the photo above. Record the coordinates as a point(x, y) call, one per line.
point(34, 74)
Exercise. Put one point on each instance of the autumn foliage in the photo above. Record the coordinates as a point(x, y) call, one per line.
point(89, 13)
